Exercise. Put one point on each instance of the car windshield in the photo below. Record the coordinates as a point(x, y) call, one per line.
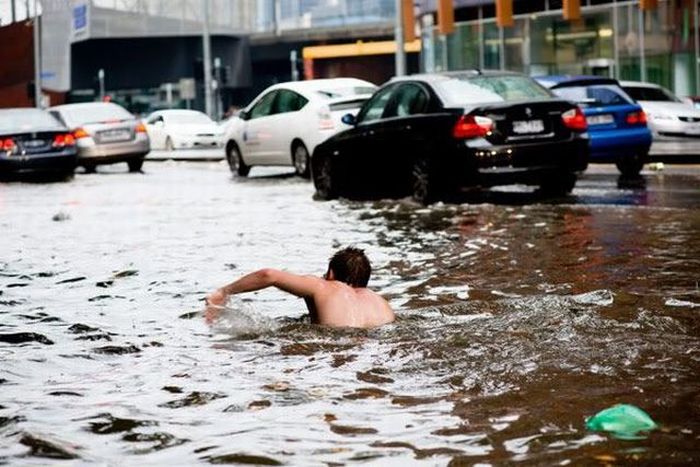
point(345, 91)
point(21, 120)
point(599, 95)
point(188, 118)
point(95, 113)
point(459, 90)
point(643, 93)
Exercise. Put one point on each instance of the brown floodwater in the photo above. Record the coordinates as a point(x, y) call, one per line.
point(518, 318)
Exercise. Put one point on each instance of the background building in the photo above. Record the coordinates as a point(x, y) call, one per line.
point(147, 54)
point(612, 38)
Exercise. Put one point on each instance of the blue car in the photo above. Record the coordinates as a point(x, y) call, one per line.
point(617, 125)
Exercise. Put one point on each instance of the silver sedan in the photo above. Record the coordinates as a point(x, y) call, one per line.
point(105, 133)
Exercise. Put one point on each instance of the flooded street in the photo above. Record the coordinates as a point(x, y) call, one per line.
point(518, 317)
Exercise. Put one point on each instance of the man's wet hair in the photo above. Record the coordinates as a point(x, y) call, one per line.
point(350, 265)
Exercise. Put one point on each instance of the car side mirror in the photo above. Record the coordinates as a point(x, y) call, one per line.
point(349, 119)
point(243, 115)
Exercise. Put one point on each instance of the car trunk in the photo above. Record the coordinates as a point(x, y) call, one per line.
point(36, 143)
point(610, 117)
point(111, 132)
point(526, 122)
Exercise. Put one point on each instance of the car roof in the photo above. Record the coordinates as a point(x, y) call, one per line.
point(560, 81)
point(312, 85)
point(84, 105)
point(445, 75)
point(639, 84)
point(178, 112)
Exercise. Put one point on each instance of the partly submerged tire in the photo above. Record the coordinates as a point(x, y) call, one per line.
point(426, 186)
point(630, 166)
point(235, 161)
point(301, 160)
point(558, 185)
point(325, 177)
point(135, 165)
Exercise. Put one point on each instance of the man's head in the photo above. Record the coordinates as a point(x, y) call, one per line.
point(350, 265)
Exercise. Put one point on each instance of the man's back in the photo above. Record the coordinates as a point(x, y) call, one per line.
point(338, 304)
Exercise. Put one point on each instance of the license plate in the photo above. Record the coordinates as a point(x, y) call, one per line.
point(605, 119)
point(115, 135)
point(34, 143)
point(528, 126)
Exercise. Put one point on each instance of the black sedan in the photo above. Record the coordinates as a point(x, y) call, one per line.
point(430, 135)
point(32, 140)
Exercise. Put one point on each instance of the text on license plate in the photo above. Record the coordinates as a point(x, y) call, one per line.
point(604, 119)
point(115, 135)
point(528, 126)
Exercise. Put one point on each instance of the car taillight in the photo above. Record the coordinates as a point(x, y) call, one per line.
point(325, 120)
point(80, 133)
point(7, 144)
point(63, 140)
point(140, 127)
point(470, 126)
point(575, 120)
point(636, 118)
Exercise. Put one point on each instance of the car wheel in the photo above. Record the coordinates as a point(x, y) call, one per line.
point(235, 161)
point(169, 146)
point(89, 168)
point(324, 177)
point(425, 183)
point(135, 165)
point(558, 184)
point(300, 159)
point(630, 166)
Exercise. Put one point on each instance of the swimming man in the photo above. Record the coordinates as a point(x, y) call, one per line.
point(339, 299)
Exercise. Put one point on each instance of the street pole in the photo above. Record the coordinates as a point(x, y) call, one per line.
point(642, 46)
point(400, 58)
point(293, 62)
point(206, 62)
point(37, 59)
point(697, 49)
point(14, 10)
point(101, 81)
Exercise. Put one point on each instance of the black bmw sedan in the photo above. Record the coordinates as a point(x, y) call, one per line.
point(431, 135)
point(33, 141)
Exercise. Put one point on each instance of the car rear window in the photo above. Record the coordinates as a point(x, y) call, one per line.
point(643, 93)
point(459, 91)
point(598, 95)
point(21, 120)
point(94, 113)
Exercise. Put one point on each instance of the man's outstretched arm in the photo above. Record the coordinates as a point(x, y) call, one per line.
point(301, 286)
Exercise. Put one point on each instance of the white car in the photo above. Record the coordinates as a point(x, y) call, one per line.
point(183, 129)
point(284, 124)
point(667, 115)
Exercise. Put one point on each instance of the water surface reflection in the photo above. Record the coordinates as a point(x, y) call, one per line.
point(517, 320)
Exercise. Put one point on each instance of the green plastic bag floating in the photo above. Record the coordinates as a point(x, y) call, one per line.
point(623, 421)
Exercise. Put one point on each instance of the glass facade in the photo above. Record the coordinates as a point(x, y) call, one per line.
point(613, 39)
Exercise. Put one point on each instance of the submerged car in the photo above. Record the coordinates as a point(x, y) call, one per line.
point(283, 125)
point(32, 140)
point(668, 115)
point(430, 135)
point(617, 125)
point(105, 133)
point(183, 129)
